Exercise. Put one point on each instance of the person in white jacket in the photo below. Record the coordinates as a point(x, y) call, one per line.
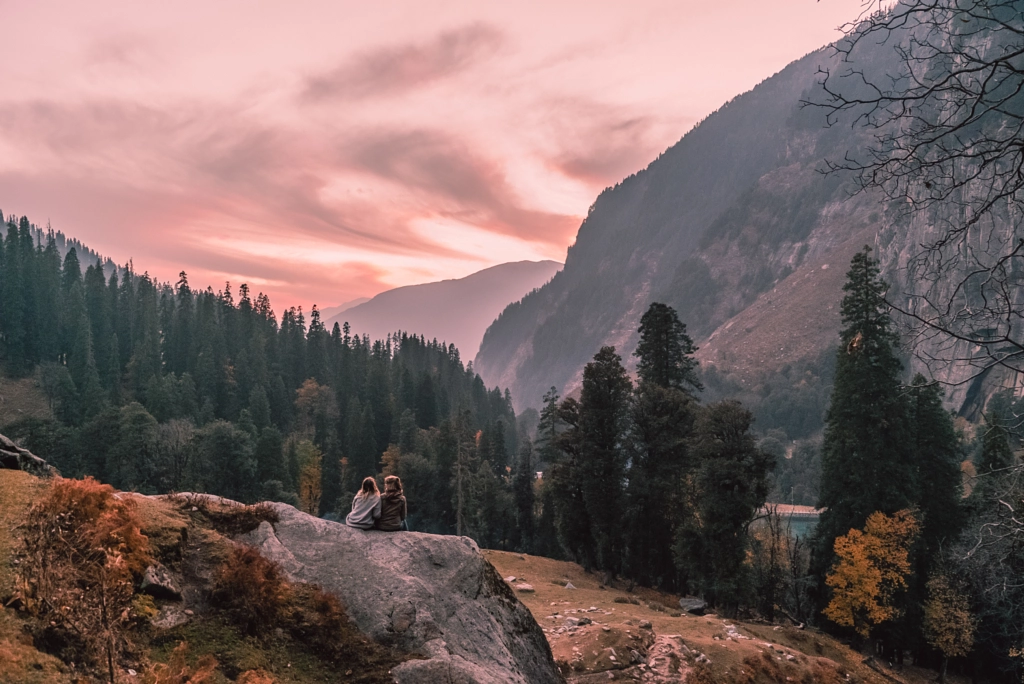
point(365, 506)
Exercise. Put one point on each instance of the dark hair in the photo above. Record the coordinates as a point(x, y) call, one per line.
point(369, 488)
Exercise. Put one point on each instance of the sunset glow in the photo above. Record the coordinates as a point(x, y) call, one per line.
point(324, 151)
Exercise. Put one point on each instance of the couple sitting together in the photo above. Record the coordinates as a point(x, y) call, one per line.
point(373, 511)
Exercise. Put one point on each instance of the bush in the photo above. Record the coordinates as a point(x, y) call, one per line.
point(82, 550)
point(251, 588)
point(177, 670)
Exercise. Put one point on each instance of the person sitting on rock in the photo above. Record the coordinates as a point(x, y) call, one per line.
point(392, 506)
point(365, 506)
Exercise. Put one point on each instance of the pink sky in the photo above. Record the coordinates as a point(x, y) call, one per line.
point(323, 151)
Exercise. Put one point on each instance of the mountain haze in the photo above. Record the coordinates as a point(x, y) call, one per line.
point(736, 228)
point(455, 311)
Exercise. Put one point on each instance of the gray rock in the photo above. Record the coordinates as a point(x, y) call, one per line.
point(13, 457)
point(158, 583)
point(170, 617)
point(421, 593)
point(525, 588)
point(693, 605)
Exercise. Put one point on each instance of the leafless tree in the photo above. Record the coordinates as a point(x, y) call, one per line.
point(940, 86)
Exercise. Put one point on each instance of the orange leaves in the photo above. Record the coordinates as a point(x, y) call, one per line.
point(310, 477)
point(948, 623)
point(81, 547)
point(177, 670)
point(870, 570)
point(253, 588)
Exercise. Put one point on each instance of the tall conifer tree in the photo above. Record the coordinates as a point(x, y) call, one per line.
point(867, 453)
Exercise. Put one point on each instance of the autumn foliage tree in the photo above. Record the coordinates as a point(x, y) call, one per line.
point(82, 550)
point(310, 467)
point(870, 571)
point(948, 622)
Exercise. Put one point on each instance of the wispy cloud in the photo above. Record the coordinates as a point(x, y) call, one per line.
point(394, 69)
point(333, 150)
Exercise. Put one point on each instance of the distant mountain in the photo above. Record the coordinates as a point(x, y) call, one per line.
point(330, 312)
point(453, 311)
point(735, 227)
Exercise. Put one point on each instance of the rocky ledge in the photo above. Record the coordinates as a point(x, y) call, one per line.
point(13, 457)
point(430, 595)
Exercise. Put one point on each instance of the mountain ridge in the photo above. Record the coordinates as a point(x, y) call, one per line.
point(456, 310)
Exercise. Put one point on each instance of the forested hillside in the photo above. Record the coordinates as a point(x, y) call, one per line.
point(160, 388)
point(731, 226)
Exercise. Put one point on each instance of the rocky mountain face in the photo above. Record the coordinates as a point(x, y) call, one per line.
point(454, 311)
point(421, 593)
point(735, 227)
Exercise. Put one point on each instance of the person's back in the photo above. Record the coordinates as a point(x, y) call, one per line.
point(393, 506)
point(366, 506)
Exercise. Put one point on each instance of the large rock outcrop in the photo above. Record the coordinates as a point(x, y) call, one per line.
point(13, 457)
point(424, 594)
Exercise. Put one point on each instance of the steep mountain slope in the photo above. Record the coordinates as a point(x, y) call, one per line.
point(453, 311)
point(731, 226)
point(717, 219)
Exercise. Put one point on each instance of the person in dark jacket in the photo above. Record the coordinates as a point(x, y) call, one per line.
point(366, 506)
point(393, 509)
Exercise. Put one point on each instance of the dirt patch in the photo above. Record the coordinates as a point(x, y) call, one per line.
point(653, 643)
point(22, 398)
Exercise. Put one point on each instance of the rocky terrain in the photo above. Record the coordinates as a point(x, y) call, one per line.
point(422, 593)
point(731, 226)
point(418, 608)
point(601, 633)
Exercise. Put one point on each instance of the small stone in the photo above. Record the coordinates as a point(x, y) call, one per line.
point(132, 673)
point(569, 585)
point(189, 612)
point(645, 624)
point(510, 579)
point(525, 588)
point(584, 621)
point(606, 628)
point(157, 582)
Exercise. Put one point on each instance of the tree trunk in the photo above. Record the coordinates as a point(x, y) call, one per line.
point(942, 670)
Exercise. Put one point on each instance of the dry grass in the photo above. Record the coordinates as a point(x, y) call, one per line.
point(22, 398)
point(738, 651)
point(789, 322)
point(20, 661)
point(227, 518)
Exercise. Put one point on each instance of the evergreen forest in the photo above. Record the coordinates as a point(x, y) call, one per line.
point(159, 388)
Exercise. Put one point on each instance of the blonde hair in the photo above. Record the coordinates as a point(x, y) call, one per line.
point(369, 488)
point(392, 483)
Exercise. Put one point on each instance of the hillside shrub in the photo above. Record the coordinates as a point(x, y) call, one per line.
point(251, 588)
point(81, 552)
point(178, 671)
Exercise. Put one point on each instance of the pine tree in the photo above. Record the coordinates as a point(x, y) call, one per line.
point(602, 463)
point(996, 456)
point(661, 417)
point(522, 487)
point(937, 461)
point(720, 497)
point(665, 350)
point(867, 453)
